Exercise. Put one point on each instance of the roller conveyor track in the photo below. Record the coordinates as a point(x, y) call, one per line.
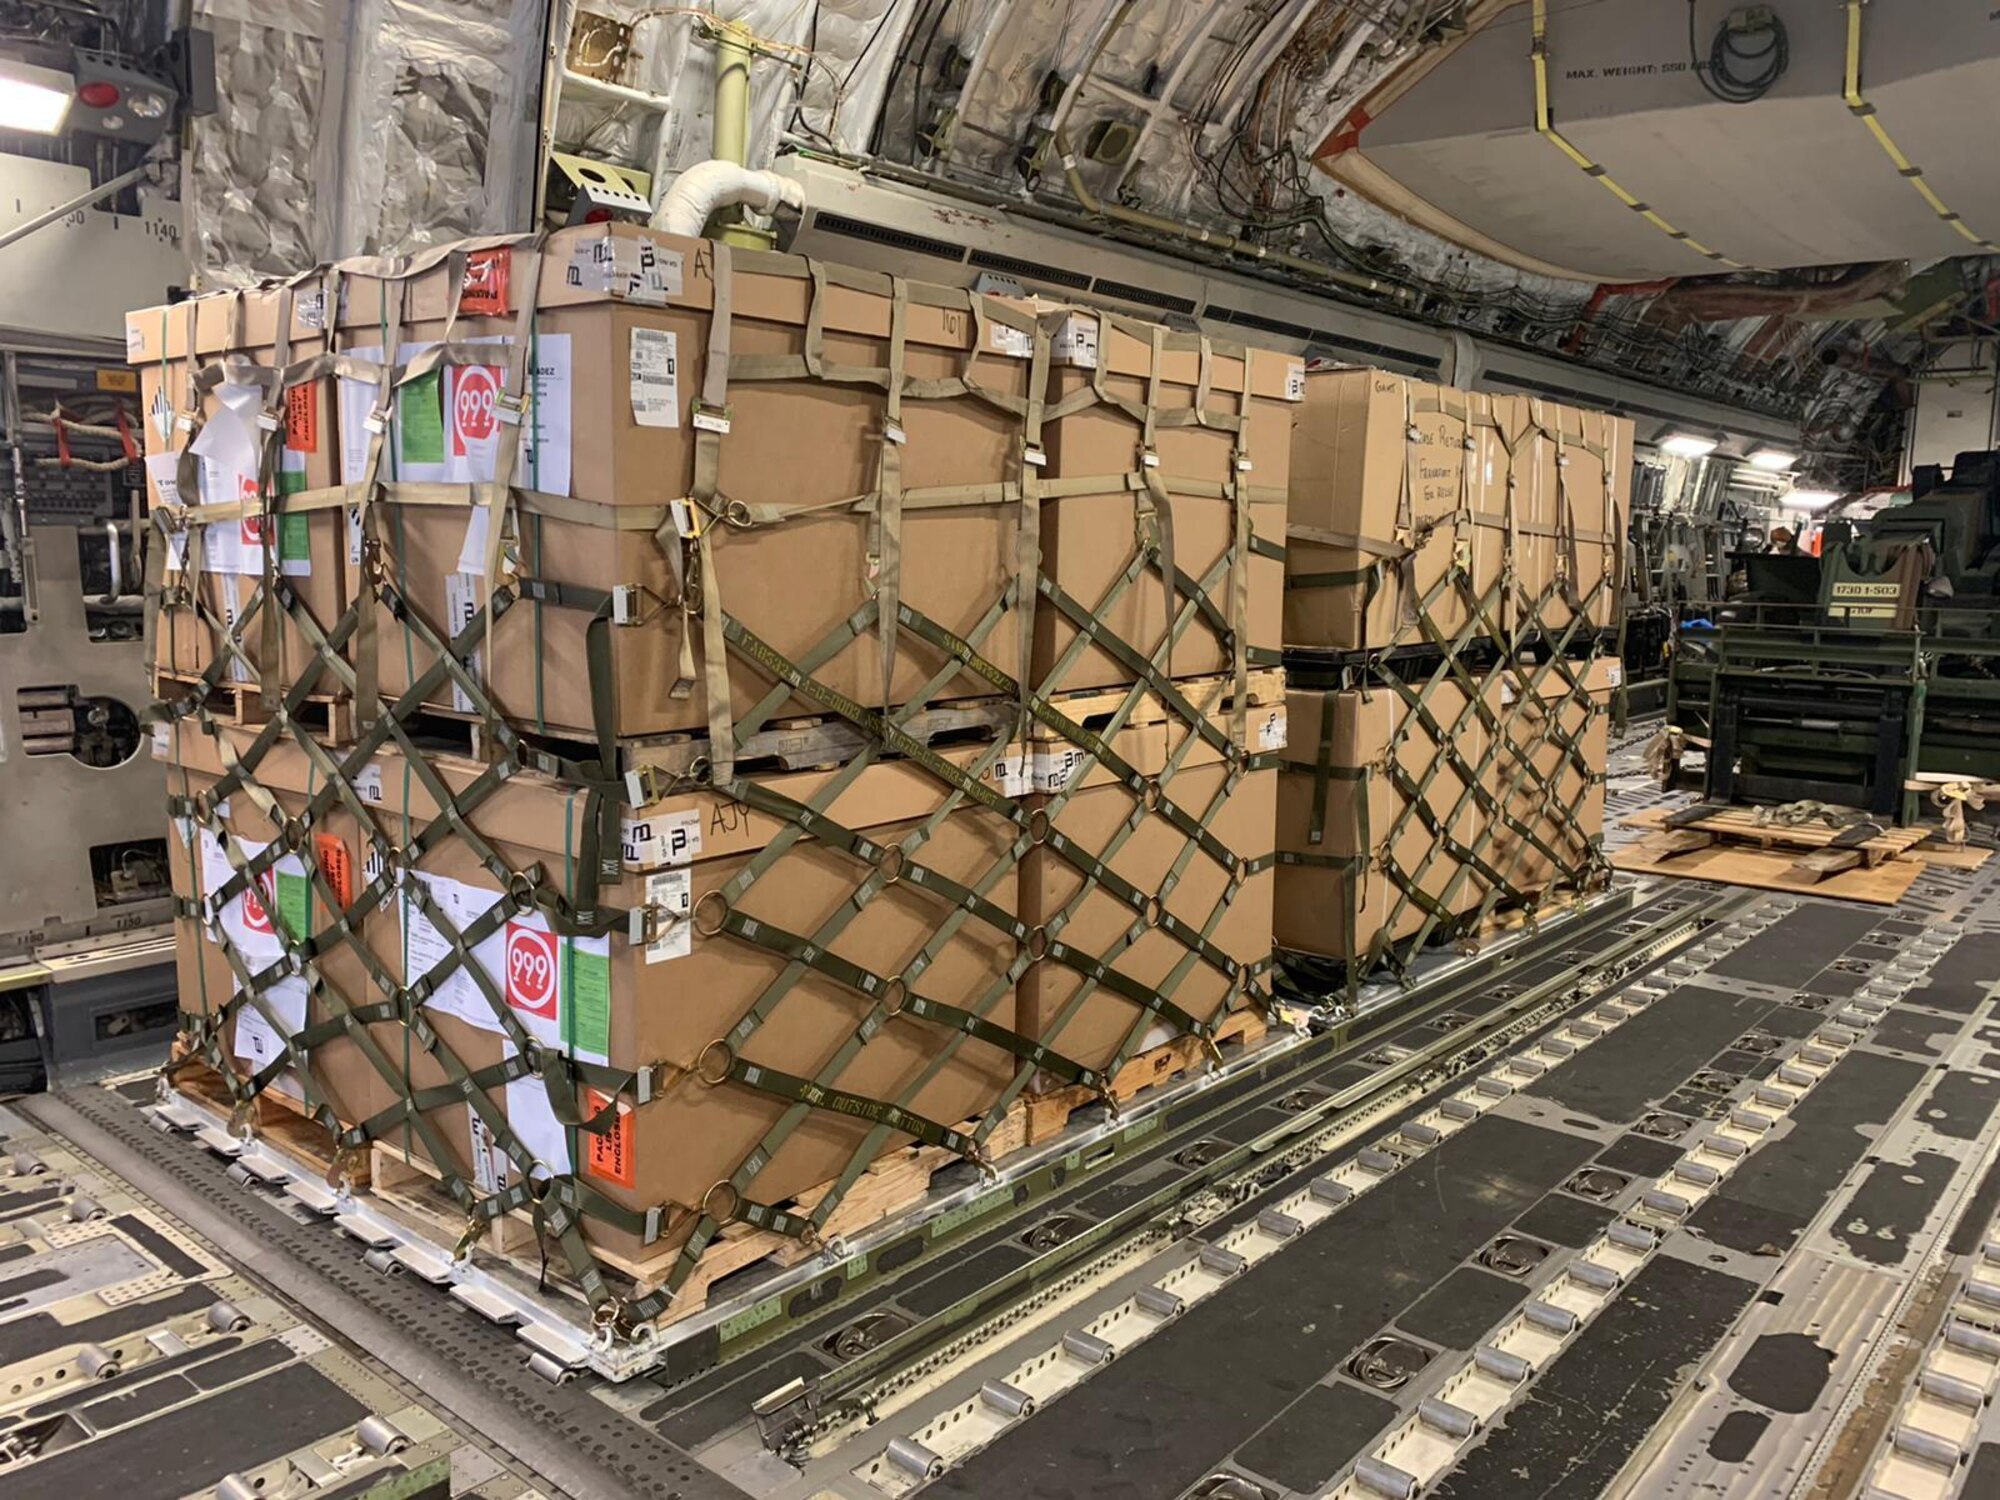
point(1323, 1278)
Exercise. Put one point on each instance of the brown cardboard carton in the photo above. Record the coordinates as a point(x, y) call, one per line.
point(671, 1003)
point(257, 920)
point(1089, 539)
point(1201, 927)
point(1382, 462)
point(620, 364)
point(1554, 808)
point(1395, 789)
point(1572, 473)
point(226, 561)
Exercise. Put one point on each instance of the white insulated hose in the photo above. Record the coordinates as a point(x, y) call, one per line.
point(709, 185)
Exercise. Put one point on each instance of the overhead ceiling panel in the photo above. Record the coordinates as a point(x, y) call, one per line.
point(1793, 179)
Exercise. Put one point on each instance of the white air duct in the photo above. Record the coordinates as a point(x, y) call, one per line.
point(709, 185)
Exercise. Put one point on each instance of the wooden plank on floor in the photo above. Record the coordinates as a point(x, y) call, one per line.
point(1773, 870)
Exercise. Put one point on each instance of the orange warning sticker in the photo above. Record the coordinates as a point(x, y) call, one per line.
point(486, 276)
point(302, 418)
point(609, 1155)
point(337, 865)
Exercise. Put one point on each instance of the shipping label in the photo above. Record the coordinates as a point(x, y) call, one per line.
point(655, 379)
point(487, 273)
point(1076, 343)
point(662, 838)
point(672, 893)
point(1269, 728)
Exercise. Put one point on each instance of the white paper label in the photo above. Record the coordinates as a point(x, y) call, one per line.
point(1015, 343)
point(672, 891)
point(162, 741)
point(1010, 774)
point(135, 341)
point(534, 1123)
point(492, 1169)
point(526, 961)
point(630, 267)
point(354, 536)
point(1614, 674)
point(1295, 382)
point(310, 310)
point(1076, 344)
point(656, 400)
point(666, 838)
point(459, 443)
point(161, 413)
point(1054, 765)
point(1271, 729)
point(461, 600)
point(257, 1043)
point(367, 783)
point(1507, 694)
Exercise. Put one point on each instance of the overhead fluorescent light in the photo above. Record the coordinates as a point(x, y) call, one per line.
point(33, 100)
point(1773, 459)
point(1687, 445)
point(1809, 499)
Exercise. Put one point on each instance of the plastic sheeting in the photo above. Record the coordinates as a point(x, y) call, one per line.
point(361, 127)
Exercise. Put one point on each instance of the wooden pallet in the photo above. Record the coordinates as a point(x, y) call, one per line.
point(413, 1189)
point(1816, 849)
point(275, 1116)
point(1094, 708)
point(328, 718)
point(1048, 1115)
point(1882, 884)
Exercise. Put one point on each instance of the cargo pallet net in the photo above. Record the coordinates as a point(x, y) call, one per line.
point(1494, 663)
point(341, 658)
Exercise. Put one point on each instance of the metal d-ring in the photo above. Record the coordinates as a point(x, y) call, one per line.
point(1038, 826)
point(521, 890)
point(895, 995)
point(1037, 943)
point(1151, 795)
point(709, 920)
point(729, 1195)
point(716, 1051)
point(891, 864)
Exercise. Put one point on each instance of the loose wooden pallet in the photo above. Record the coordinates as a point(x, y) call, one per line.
point(326, 717)
point(1882, 884)
point(1823, 849)
point(1952, 856)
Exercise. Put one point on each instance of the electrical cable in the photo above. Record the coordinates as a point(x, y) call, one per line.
point(1720, 76)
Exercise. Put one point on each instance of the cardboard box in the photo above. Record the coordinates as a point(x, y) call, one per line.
point(619, 364)
point(1090, 538)
point(1381, 462)
point(1554, 808)
point(1201, 925)
point(1395, 789)
point(227, 561)
point(631, 1005)
point(1573, 477)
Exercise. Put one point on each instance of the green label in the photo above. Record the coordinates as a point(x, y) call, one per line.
point(945, 1223)
point(590, 1002)
point(749, 1318)
point(294, 902)
point(420, 421)
point(293, 539)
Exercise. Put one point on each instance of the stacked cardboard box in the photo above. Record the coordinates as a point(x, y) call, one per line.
point(1453, 584)
point(999, 582)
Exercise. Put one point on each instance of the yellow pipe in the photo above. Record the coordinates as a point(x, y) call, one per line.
point(730, 132)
